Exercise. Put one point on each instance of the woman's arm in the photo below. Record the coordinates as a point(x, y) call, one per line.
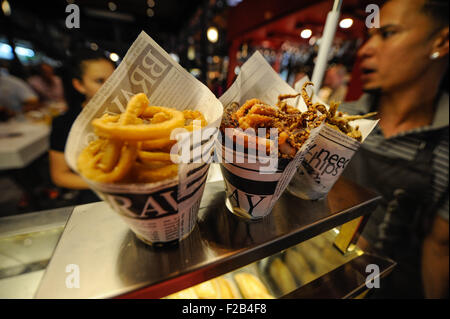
point(61, 173)
point(435, 257)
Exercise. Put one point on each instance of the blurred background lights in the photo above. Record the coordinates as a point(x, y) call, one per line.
point(151, 3)
point(114, 57)
point(191, 53)
point(6, 8)
point(212, 34)
point(346, 23)
point(112, 6)
point(7, 53)
point(175, 57)
point(306, 33)
point(150, 12)
point(94, 46)
point(24, 52)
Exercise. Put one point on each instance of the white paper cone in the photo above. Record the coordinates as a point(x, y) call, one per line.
point(327, 158)
point(165, 211)
point(251, 192)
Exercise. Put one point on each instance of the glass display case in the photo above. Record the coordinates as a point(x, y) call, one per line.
point(303, 249)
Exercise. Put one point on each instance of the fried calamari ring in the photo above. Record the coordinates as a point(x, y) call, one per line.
point(190, 116)
point(144, 131)
point(143, 174)
point(90, 161)
point(145, 156)
point(305, 95)
point(135, 145)
point(154, 164)
point(242, 111)
point(110, 155)
point(111, 150)
point(255, 121)
point(135, 108)
point(164, 144)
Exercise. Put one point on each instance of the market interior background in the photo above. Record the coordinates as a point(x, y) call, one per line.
point(209, 38)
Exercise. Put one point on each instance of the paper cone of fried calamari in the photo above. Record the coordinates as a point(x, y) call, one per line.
point(327, 158)
point(254, 182)
point(166, 211)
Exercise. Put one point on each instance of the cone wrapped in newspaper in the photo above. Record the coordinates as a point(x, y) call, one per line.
point(332, 150)
point(164, 210)
point(257, 163)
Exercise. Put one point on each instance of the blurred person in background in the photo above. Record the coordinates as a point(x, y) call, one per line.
point(86, 73)
point(405, 158)
point(47, 84)
point(335, 84)
point(16, 95)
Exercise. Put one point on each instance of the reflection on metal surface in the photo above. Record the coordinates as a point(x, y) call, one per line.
point(304, 263)
point(113, 262)
point(346, 281)
point(347, 234)
point(25, 253)
point(27, 243)
point(22, 286)
point(285, 272)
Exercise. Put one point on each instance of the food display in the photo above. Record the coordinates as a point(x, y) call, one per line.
point(277, 275)
point(337, 120)
point(134, 147)
point(251, 286)
point(282, 131)
point(283, 278)
point(217, 288)
point(299, 266)
point(303, 263)
point(188, 293)
point(339, 139)
point(293, 127)
point(208, 290)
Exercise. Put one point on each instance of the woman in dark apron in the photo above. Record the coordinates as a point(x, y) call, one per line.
point(397, 227)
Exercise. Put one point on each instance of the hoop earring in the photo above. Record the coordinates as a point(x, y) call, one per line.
point(434, 55)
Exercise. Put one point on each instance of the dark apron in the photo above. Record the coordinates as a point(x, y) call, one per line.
point(397, 226)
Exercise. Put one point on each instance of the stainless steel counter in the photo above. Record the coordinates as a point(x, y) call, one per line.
point(27, 243)
point(112, 262)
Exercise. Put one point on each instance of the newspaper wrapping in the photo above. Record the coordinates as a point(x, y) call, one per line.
point(166, 211)
point(253, 184)
point(327, 158)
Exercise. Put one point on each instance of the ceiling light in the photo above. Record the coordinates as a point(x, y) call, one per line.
point(94, 46)
point(175, 57)
point(24, 52)
point(114, 57)
point(6, 8)
point(346, 23)
point(191, 53)
point(112, 6)
point(306, 33)
point(212, 34)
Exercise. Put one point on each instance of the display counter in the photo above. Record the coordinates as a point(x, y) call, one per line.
point(97, 247)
